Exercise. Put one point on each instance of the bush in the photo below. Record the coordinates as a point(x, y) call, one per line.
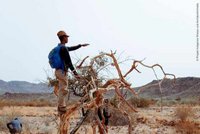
point(117, 118)
point(178, 99)
point(184, 125)
point(114, 102)
point(140, 102)
point(183, 112)
point(187, 127)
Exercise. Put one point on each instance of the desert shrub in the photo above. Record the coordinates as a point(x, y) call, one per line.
point(167, 102)
point(183, 112)
point(140, 102)
point(187, 127)
point(184, 125)
point(114, 102)
point(116, 119)
point(191, 102)
point(178, 99)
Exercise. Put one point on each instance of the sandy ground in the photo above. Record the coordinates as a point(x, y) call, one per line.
point(43, 120)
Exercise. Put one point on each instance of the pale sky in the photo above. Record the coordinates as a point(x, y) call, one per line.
point(162, 31)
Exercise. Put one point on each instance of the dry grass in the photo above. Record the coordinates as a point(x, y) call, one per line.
point(184, 112)
point(26, 129)
point(34, 119)
point(187, 127)
point(184, 125)
point(3, 121)
point(8, 117)
point(31, 103)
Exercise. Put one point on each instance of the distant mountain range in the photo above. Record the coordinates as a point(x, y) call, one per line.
point(22, 87)
point(183, 87)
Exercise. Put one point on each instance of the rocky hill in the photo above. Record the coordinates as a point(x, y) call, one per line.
point(187, 87)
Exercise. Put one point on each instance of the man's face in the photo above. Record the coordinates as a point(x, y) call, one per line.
point(65, 39)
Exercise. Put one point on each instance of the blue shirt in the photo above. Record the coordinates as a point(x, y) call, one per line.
point(16, 124)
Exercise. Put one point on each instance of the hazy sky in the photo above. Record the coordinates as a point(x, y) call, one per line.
point(162, 31)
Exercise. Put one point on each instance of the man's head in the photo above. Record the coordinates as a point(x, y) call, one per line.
point(63, 37)
point(106, 101)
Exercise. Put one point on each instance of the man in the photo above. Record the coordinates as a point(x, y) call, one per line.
point(104, 114)
point(61, 72)
point(15, 126)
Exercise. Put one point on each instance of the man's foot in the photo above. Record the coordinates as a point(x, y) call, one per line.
point(62, 109)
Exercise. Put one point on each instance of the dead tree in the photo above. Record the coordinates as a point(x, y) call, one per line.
point(91, 88)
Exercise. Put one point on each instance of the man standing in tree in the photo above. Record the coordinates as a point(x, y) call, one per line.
point(61, 71)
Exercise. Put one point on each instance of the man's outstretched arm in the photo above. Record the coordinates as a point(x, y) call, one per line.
point(76, 47)
point(9, 125)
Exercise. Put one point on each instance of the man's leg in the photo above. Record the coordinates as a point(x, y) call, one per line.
point(63, 89)
point(13, 131)
point(106, 124)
